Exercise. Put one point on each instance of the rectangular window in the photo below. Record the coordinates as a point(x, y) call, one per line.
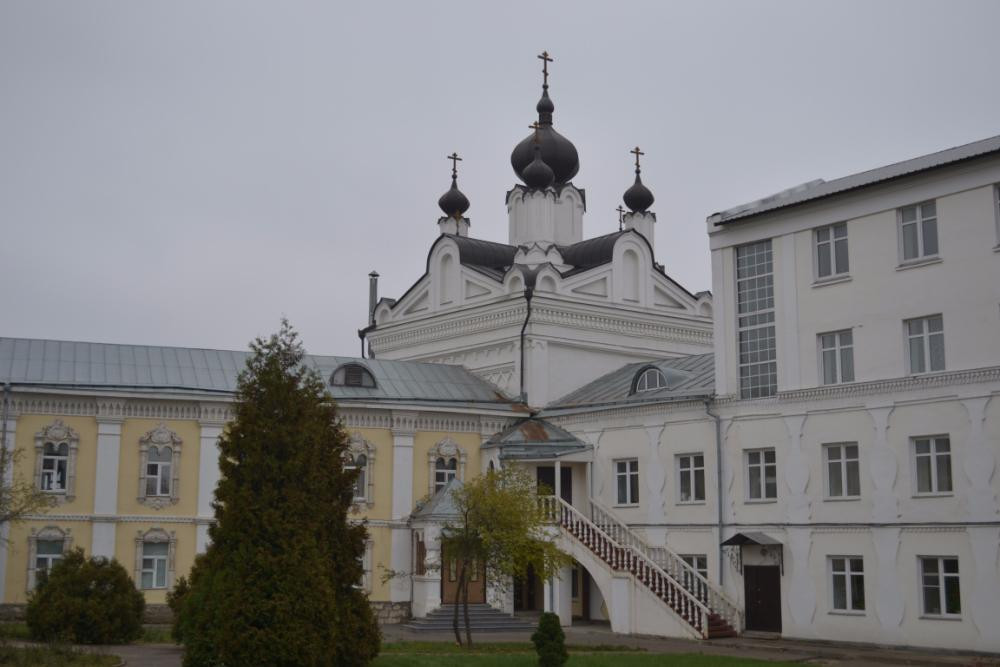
point(627, 474)
point(847, 577)
point(762, 474)
point(831, 250)
point(843, 475)
point(941, 595)
point(918, 237)
point(47, 554)
point(836, 350)
point(154, 564)
point(755, 312)
point(925, 344)
point(691, 482)
point(932, 456)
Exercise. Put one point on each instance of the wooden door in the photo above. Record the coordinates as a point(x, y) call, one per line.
point(449, 582)
point(762, 590)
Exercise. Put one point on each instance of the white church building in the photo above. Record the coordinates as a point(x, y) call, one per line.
point(811, 449)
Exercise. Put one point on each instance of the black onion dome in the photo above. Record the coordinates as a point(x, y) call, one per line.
point(537, 175)
point(558, 152)
point(638, 197)
point(453, 202)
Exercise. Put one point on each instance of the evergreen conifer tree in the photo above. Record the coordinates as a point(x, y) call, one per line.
point(278, 584)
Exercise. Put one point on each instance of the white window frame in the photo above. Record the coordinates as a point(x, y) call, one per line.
point(446, 449)
point(756, 328)
point(645, 381)
point(922, 255)
point(47, 534)
point(925, 337)
point(57, 433)
point(631, 470)
point(831, 241)
point(155, 536)
point(844, 466)
point(839, 349)
point(942, 576)
point(690, 471)
point(359, 446)
point(934, 454)
point(157, 439)
point(762, 465)
point(848, 573)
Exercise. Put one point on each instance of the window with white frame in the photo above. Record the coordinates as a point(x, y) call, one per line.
point(925, 344)
point(445, 470)
point(698, 563)
point(932, 460)
point(762, 474)
point(847, 581)
point(843, 472)
point(155, 554)
point(158, 471)
point(46, 547)
point(447, 462)
point(831, 251)
point(650, 380)
point(939, 582)
point(55, 462)
point(627, 477)
point(56, 448)
point(691, 478)
point(360, 456)
point(159, 467)
point(918, 237)
point(758, 354)
point(836, 350)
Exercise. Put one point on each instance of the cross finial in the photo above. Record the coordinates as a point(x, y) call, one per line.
point(635, 151)
point(535, 126)
point(454, 164)
point(621, 217)
point(546, 59)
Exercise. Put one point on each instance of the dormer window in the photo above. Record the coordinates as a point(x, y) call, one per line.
point(353, 375)
point(649, 379)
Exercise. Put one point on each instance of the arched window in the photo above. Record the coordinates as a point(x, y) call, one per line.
point(353, 375)
point(649, 379)
point(446, 461)
point(159, 467)
point(360, 456)
point(55, 460)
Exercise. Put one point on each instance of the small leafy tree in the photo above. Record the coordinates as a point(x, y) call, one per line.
point(550, 641)
point(85, 601)
point(501, 526)
point(277, 585)
point(19, 496)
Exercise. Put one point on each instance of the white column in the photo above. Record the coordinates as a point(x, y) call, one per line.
point(109, 443)
point(403, 431)
point(5, 545)
point(786, 299)
point(558, 488)
point(208, 479)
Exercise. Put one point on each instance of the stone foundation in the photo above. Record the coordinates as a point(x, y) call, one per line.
point(388, 613)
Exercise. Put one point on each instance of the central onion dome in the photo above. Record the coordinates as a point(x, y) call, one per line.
point(557, 151)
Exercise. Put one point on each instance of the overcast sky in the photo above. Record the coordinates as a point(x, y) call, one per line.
point(185, 173)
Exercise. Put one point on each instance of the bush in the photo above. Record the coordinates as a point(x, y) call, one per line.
point(175, 600)
point(550, 641)
point(85, 601)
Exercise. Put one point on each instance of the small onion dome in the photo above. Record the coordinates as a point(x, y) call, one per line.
point(538, 175)
point(453, 202)
point(638, 197)
point(558, 152)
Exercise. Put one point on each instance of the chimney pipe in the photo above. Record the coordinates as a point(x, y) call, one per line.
point(372, 296)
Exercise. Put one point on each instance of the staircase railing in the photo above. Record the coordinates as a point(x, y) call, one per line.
point(672, 563)
point(627, 558)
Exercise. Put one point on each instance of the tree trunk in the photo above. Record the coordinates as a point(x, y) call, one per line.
point(454, 618)
point(465, 605)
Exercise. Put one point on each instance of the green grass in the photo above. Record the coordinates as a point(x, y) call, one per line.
point(45, 656)
point(493, 648)
point(605, 659)
point(151, 634)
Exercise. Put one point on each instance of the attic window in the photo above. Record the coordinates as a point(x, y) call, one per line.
point(649, 379)
point(353, 375)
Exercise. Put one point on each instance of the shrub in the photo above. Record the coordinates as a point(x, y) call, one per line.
point(85, 601)
point(550, 641)
point(175, 600)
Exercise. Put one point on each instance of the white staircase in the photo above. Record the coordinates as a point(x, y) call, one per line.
point(697, 601)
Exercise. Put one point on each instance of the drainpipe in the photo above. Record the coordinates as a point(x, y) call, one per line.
point(3, 431)
point(528, 293)
point(718, 476)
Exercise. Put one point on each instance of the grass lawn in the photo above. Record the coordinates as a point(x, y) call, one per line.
point(44, 656)
point(151, 634)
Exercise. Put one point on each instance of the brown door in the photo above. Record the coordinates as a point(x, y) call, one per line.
point(762, 588)
point(449, 582)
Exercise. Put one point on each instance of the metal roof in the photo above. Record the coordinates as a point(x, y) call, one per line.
point(689, 377)
point(440, 506)
point(819, 188)
point(534, 438)
point(105, 366)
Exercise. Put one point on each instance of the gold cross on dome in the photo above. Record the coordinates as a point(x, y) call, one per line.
point(546, 59)
point(635, 151)
point(535, 126)
point(454, 164)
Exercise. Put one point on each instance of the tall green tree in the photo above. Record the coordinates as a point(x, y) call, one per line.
point(278, 584)
point(501, 527)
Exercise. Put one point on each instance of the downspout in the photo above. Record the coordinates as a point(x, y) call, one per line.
point(3, 432)
point(528, 293)
point(718, 476)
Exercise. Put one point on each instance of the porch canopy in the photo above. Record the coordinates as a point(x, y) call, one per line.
point(537, 439)
point(751, 539)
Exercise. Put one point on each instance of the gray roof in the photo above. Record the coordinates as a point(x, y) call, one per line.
point(688, 377)
point(104, 366)
point(819, 188)
point(534, 438)
point(441, 505)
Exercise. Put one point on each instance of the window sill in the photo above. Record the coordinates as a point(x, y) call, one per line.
point(841, 499)
point(690, 502)
point(626, 505)
point(847, 612)
point(940, 617)
point(914, 263)
point(832, 280)
point(760, 501)
point(935, 494)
